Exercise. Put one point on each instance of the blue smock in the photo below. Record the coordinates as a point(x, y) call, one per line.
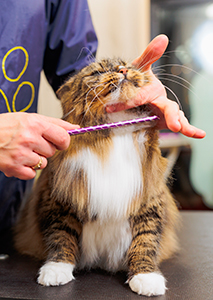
point(56, 36)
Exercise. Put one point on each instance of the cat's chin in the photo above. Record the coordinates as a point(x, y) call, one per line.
point(125, 115)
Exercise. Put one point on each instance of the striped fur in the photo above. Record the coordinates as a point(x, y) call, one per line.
point(104, 201)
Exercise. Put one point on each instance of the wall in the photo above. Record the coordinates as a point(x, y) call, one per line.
point(122, 27)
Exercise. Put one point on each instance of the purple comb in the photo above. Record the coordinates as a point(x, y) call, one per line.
point(112, 125)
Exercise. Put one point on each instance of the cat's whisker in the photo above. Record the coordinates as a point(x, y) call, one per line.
point(153, 58)
point(84, 115)
point(174, 51)
point(158, 70)
point(146, 64)
point(175, 76)
point(165, 76)
point(67, 114)
point(178, 65)
point(179, 83)
point(115, 85)
point(96, 96)
point(167, 53)
point(92, 89)
point(91, 57)
point(144, 72)
point(176, 97)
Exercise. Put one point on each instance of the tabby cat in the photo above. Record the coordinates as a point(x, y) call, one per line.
point(104, 201)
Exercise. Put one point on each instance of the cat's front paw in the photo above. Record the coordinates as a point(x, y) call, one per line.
point(150, 284)
point(55, 273)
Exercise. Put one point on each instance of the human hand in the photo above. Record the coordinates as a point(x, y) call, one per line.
point(27, 139)
point(154, 94)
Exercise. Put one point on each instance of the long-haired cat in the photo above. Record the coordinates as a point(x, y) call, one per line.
point(104, 201)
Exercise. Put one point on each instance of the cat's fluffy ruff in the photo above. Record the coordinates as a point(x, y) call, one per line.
point(114, 177)
point(109, 196)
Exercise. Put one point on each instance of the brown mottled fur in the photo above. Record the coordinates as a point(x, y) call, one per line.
point(51, 223)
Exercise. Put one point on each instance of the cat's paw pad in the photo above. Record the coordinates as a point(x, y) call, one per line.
point(150, 284)
point(55, 273)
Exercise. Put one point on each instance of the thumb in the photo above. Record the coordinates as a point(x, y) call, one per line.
point(152, 53)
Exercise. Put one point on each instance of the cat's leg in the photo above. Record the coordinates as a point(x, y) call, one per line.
point(144, 275)
point(61, 236)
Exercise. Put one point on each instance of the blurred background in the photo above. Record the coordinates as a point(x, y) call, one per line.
point(124, 28)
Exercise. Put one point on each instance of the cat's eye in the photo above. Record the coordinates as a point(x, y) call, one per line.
point(96, 72)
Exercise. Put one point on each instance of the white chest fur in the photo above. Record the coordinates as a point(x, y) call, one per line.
point(112, 184)
point(104, 245)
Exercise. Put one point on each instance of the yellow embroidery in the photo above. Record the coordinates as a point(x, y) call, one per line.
point(6, 100)
point(24, 68)
point(16, 93)
point(16, 79)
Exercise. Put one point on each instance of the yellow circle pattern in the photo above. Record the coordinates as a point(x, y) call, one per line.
point(16, 93)
point(16, 79)
point(6, 100)
point(24, 68)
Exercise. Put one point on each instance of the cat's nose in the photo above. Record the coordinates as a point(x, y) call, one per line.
point(123, 70)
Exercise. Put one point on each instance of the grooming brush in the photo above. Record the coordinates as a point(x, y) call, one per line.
point(112, 125)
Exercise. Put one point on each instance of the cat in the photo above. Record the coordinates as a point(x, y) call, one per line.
point(103, 202)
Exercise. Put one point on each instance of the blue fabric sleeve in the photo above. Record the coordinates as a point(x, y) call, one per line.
point(54, 35)
point(71, 39)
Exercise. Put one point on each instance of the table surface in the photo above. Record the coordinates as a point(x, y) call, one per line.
point(189, 273)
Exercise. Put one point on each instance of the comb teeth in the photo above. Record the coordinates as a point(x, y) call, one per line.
point(112, 125)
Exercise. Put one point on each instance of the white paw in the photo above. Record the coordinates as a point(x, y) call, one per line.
point(150, 284)
point(55, 273)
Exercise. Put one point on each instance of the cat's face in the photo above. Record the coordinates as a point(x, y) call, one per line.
point(112, 81)
point(99, 85)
